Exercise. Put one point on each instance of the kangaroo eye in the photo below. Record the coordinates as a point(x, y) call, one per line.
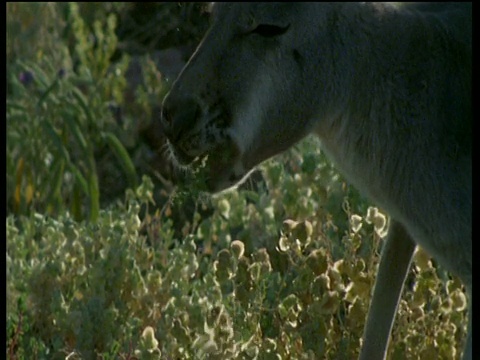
point(266, 30)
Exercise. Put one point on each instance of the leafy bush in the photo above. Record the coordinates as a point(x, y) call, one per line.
point(91, 289)
point(282, 273)
point(62, 113)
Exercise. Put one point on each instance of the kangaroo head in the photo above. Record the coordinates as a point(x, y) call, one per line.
point(247, 93)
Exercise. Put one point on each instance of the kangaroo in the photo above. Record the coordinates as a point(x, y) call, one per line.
point(386, 88)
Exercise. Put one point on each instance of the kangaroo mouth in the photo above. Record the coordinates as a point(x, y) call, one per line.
point(213, 171)
point(180, 157)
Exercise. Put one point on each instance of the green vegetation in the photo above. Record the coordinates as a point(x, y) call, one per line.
point(281, 273)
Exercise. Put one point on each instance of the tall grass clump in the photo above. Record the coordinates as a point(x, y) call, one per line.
point(59, 110)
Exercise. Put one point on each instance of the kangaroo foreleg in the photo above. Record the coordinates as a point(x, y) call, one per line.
point(392, 271)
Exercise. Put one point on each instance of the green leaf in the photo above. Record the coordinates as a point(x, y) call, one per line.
point(123, 158)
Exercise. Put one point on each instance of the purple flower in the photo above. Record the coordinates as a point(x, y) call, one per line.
point(26, 77)
point(61, 73)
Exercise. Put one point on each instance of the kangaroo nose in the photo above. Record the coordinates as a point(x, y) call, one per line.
point(179, 116)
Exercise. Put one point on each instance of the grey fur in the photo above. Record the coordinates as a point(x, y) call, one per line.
point(386, 88)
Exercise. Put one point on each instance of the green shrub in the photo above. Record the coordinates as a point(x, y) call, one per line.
point(127, 286)
point(61, 113)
